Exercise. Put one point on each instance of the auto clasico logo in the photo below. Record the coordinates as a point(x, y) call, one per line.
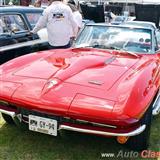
point(132, 154)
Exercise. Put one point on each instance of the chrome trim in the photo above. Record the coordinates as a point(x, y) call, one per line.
point(10, 113)
point(103, 125)
point(25, 121)
point(132, 133)
point(25, 116)
point(96, 82)
point(96, 124)
point(156, 105)
point(3, 102)
point(23, 44)
point(156, 111)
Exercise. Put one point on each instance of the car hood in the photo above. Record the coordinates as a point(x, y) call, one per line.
point(87, 67)
point(79, 72)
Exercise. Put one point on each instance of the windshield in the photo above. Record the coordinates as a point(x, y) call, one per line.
point(119, 38)
point(12, 23)
point(33, 18)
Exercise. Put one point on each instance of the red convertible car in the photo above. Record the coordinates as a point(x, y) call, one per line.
point(107, 84)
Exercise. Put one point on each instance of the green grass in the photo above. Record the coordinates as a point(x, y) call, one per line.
point(26, 145)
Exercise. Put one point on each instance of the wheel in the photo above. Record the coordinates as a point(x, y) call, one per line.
point(8, 118)
point(141, 141)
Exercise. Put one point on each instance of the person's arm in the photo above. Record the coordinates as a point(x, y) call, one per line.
point(73, 23)
point(42, 22)
point(78, 19)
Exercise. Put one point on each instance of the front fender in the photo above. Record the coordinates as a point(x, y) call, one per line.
point(141, 87)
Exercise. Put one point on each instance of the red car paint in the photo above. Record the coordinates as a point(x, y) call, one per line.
point(93, 85)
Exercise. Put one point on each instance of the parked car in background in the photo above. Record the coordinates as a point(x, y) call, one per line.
point(15, 25)
point(107, 85)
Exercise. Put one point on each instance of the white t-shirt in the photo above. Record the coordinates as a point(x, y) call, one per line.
point(59, 20)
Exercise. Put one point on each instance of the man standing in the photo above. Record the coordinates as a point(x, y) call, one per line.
point(59, 20)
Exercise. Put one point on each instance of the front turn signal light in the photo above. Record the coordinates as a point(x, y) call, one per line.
point(122, 139)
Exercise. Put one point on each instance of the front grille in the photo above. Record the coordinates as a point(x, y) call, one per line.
point(30, 112)
point(25, 113)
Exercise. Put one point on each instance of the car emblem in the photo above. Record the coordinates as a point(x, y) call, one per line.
point(52, 83)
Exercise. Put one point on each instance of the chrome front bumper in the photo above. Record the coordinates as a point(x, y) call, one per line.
point(156, 105)
point(10, 113)
point(69, 128)
point(128, 134)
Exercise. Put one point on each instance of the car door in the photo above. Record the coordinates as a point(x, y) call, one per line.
point(15, 39)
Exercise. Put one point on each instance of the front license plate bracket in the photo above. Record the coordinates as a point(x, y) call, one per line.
point(43, 125)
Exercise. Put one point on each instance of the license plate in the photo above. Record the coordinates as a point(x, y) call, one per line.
point(43, 125)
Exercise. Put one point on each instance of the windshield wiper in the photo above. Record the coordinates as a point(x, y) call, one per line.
point(91, 46)
point(114, 48)
point(130, 53)
point(124, 51)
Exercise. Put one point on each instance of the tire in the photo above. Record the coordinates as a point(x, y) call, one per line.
point(8, 118)
point(141, 141)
